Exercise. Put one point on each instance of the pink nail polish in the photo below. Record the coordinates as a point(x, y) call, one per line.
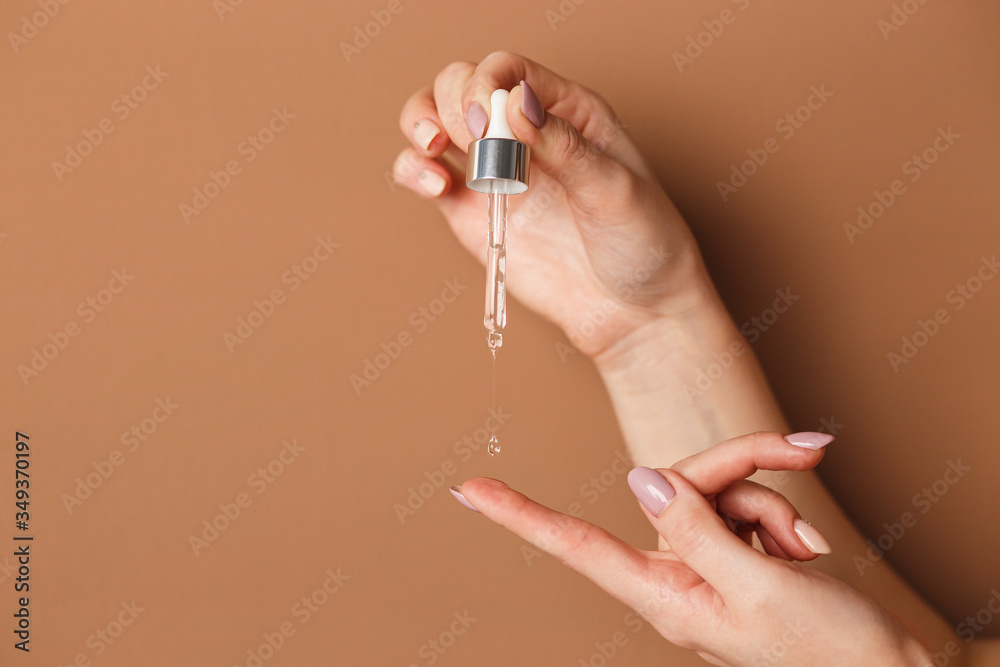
point(651, 489)
point(457, 492)
point(531, 107)
point(811, 537)
point(809, 439)
point(475, 120)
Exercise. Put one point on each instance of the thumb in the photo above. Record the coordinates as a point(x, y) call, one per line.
point(560, 150)
point(695, 533)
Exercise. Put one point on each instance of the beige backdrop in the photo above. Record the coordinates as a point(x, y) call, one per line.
point(122, 311)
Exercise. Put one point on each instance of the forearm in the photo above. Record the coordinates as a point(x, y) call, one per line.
point(682, 384)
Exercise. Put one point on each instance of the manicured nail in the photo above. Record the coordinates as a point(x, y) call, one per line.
point(811, 538)
point(424, 132)
point(457, 492)
point(810, 439)
point(431, 182)
point(475, 120)
point(531, 107)
point(403, 166)
point(652, 490)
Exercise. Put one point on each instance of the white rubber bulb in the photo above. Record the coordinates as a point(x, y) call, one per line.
point(499, 129)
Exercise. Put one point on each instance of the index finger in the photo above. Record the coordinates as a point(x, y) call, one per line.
point(617, 567)
point(717, 467)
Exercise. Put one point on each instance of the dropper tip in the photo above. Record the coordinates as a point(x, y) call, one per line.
point(494, 339)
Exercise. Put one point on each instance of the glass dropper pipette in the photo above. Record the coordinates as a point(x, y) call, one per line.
point(497, 167)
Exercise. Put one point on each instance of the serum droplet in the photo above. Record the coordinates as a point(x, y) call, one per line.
point(494, 447)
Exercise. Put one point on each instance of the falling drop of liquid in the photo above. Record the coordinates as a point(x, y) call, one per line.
point(494, 447)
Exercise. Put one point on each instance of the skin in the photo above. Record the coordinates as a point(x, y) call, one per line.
point(708, 589)
point(596, 246)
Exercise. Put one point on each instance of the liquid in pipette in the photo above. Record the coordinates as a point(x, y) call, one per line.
point(494, 447)
point(496, 270)
point(496, 292)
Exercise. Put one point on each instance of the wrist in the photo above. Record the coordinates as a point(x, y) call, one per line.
point(910, 647)
point(686, 380)
point(657, 342)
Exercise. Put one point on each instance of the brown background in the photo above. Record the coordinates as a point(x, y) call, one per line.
point(325, 174)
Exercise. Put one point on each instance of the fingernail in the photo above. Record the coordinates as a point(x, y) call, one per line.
point(475, 120)
point(457, 492)
point(424, 132)
point(811, 538)
point(531, 107)
point(810, 439)
point(652, 490)
point(431, 182)
point(733, 524)
point(402, 167)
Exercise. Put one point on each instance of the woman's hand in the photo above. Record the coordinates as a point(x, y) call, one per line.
point(707, 588)
point(596, 247)
point(594, 244)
